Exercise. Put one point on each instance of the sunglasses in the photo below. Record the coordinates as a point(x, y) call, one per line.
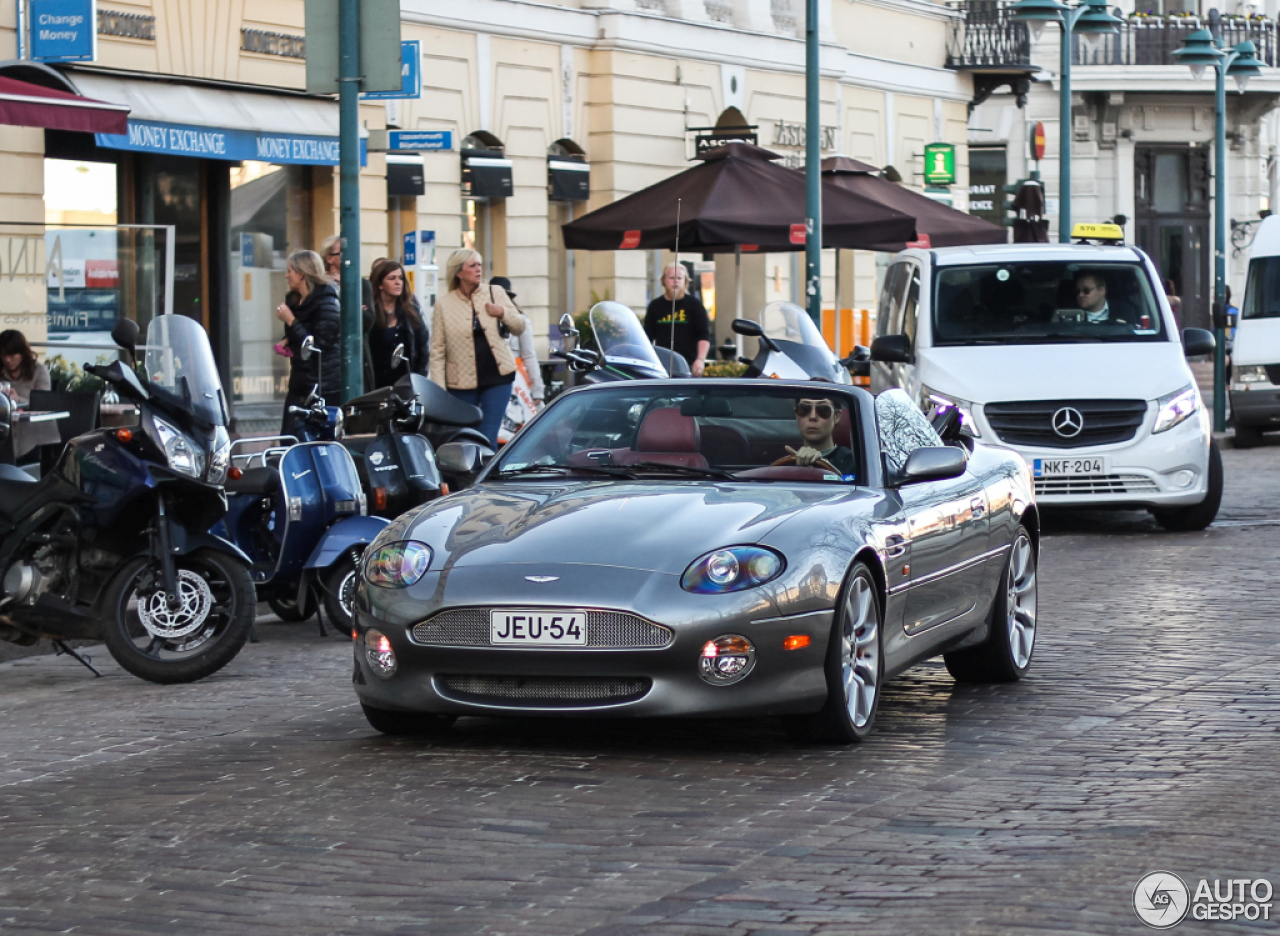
point(824, 410)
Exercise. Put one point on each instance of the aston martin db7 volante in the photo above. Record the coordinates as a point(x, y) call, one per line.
point(703, 547)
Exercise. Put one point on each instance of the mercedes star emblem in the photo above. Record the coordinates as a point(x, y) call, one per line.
point(1067, 422)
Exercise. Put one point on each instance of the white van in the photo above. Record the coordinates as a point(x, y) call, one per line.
point(1068, 354)
point(1255, 355)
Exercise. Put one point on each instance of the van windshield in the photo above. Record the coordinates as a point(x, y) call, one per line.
point(1044, 303)
point(1262, 295)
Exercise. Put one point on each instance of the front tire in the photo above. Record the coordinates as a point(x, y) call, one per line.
point(287, 609)
point(1247, 437)
point(1005, 656)
point(400, 724)
point(189, 642)
point(340, 593)
point(854, 669)
point(1198, 516)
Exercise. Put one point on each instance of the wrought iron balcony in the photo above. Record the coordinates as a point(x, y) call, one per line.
point(1152, 40)
point(987, 39)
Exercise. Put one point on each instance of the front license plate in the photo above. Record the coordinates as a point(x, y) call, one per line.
point(538, 628)
point(1059, 467)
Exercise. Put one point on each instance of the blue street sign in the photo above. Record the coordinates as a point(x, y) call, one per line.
point(246, 250)
point(64, 30)
point(420, 139)
point(411, 248)
point(410, 75)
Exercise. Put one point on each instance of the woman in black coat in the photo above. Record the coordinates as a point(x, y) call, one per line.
point(310, 308)
point(395, 319)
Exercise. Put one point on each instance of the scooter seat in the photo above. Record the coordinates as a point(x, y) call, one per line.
point(255, 481)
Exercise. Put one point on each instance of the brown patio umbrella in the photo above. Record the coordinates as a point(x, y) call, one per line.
point(945, 226)
point(738, 197)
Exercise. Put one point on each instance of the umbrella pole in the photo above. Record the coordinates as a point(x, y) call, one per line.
point(737, 290)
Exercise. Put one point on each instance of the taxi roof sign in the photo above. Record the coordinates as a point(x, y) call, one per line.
point(1110, 233)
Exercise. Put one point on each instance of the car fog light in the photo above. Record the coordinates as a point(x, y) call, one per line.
point(377, 650)
point(1183, 478)
point(726, 660)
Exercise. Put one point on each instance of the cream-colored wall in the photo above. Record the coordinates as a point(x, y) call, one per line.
point(897, 35)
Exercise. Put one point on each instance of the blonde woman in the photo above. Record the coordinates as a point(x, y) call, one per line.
point(310, 308)
point(470, 357)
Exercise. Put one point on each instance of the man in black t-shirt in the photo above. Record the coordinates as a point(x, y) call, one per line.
point(692, 324)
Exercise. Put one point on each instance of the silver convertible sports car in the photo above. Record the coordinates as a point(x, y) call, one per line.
point(703, 547)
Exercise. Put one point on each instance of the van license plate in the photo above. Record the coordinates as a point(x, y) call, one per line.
point(1062, 467)
point(538, 628)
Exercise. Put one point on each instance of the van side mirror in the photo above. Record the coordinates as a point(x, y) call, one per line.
point(892, 349)
point(1197, 342)
point(934, 463)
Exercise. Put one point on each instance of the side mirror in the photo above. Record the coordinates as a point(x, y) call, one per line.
point(566, 326)
point(125, 334)
point(892, 349)
point(1197, 341)
point(935, 463)
point(747, 327)
point(308, 348)
point(463, 458)
point(397, 356)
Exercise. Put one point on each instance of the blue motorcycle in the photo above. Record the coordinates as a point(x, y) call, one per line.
point(298, 510)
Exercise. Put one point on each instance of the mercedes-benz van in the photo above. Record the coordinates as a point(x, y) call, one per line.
point(1255, 354)
point(1068, 354)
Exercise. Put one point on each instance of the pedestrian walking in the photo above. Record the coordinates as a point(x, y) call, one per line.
point(394, 320)
point(679, 321)
point(331, 253)
point(310, 308)
point(522, 347)
point(470, 356)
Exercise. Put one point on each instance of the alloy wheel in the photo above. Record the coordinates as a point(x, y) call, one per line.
point(860, 653)
point(1020, 602)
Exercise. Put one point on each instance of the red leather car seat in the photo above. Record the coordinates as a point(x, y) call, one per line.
point(666, 436)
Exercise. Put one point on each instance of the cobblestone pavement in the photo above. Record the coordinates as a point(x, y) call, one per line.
point(259, 801)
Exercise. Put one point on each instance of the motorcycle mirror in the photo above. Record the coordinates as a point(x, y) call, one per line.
point(397, 356)
point(125, 334)
point(308, 348)
point(566, 326)
point(747, 327)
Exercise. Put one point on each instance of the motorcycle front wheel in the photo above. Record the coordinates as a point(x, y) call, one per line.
point(195, 639)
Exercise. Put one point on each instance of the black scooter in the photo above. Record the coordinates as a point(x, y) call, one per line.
point(792, 348)
point(623, 351)
point(113, 543)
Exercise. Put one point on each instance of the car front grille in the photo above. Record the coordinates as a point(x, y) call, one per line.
point(1096, 484)
point(1103, 422)
point(606, 630)
point(544, 691)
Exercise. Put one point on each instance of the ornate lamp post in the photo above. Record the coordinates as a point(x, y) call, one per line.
point(1088, 17)
point(1200, 51)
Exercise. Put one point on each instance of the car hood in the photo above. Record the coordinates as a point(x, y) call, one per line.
point(992, 374)
point(649, 526)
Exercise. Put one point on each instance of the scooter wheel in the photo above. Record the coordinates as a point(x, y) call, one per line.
point(340, 593)
point(287, 609)
point(195, 639)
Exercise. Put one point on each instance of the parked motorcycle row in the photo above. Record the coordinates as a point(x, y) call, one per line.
point(160, 538)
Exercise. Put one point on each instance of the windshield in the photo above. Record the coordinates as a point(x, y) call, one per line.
point(1044, 302)
point(653, 429)
point(620, 337)
point(1262, 294)
point(786, 321)
point(179, 360)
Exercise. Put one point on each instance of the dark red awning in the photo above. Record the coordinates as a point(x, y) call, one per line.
point(27, 105)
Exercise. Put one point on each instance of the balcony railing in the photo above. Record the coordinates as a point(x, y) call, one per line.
point(987, 38)
point(1152, 40)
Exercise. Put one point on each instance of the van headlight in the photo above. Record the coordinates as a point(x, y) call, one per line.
point(180, 450)
point(1246, 376)
point(931, 401)
point(220, 460)
point(1173, 408)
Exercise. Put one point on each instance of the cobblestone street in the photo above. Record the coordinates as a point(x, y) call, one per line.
point(260, 801)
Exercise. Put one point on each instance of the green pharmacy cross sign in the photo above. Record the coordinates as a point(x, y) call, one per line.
point(940, 164)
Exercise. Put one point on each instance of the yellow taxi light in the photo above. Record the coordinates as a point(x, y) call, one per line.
point(1108, 232)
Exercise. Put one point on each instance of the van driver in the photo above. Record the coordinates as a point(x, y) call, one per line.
point(1091, 295)
point(816, 420)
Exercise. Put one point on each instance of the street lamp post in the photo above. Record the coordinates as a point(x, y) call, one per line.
point(812, 167)
point(1200, 51)
point(1090, 17)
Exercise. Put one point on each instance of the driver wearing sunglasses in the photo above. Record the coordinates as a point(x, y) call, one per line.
point(817, 420)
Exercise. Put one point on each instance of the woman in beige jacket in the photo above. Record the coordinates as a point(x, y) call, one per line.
point(470, 357)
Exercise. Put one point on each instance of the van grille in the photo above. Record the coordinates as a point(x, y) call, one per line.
point(1104, 422)
point(544, 691)
point(1096, 484)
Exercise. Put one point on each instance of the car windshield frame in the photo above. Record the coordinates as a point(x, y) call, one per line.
point(1037, 307)
point(615, 412)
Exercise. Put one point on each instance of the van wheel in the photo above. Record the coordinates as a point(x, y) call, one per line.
point(1198, 516)
point(1248, 437)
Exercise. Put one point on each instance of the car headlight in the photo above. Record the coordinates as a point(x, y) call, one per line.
point(1173, 408)
point(182, 453)
point(220, 460)
point(397, 565)
point(1245, 375)
point(731, 569)
point(931, 401)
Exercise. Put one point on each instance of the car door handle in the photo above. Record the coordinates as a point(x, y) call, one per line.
point(895, 546)
point(978, 506)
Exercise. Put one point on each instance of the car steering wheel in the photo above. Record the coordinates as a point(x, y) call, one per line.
point(820, 463)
